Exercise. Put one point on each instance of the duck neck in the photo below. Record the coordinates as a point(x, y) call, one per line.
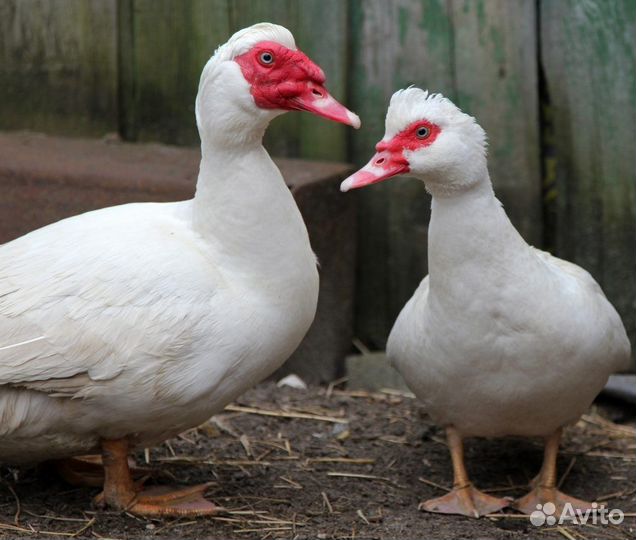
point(470, 237)
point(246, 214)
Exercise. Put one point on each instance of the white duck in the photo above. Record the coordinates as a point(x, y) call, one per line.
point(500, 338)
point(122, 327)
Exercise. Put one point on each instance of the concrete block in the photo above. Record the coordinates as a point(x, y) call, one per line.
point(622, 387)
point(372, 371)
point(44, 179)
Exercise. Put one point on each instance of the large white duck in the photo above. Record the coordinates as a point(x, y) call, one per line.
point(122, 327)
point(500, 338)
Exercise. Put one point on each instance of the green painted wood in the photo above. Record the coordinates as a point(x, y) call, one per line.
point(169, 41)
point(94, 66)
point(482, 54)
point(283, 135)
point(62, 62)
point(127, 118)
point(320, 30)
point(322, 35)
point(58, 66)
point(394, 44)
point(589, 62)
point(496, 80)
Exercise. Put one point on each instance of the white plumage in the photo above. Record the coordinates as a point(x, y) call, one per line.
point(500, 338)
point(143, 320)
point(515, 342)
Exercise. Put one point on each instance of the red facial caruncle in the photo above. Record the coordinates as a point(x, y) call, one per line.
point(281, 78)
point(390, 159)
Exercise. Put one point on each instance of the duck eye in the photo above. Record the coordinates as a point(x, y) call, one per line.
point(266, 58)
point(422, 132)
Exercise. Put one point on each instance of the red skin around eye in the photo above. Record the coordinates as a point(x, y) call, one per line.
point(408, 140)
point(275, 85)
point(389, 159)
point(390, 154)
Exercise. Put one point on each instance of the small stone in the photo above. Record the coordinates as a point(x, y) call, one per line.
point(292, 380)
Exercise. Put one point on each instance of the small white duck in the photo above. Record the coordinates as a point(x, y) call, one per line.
point(122, 327)
point(500, 338)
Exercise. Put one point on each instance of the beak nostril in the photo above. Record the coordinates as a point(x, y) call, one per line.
point(380, 161)
point(316, 92)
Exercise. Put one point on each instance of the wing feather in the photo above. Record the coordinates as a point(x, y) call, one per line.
point(83, 299)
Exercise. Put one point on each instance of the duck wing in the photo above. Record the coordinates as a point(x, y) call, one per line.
point(88, 298)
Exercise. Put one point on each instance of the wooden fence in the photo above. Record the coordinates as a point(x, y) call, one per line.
point(552, 81)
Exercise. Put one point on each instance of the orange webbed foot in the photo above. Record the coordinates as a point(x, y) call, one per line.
point(539, 496)
point(164, 501)
point(465, 501)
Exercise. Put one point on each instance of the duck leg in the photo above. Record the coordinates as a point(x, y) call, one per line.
point(121, 492)
point(88, 470)
point(463, 499)
point(80, 471)
point(544, 488)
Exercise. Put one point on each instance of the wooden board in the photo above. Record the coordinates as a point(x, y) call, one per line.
point(589, 61)
point(321, 33)
point(394, 44)
point(89, 67)
point(164, 45)
point(483, 56)
point(319, 28)
point(58, 66)
point(424, 59)
point(496, 80)
point(282, 136)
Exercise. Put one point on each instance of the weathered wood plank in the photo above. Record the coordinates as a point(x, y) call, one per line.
point(58, 66)
point(394, 44)
point(589, 61)
point(483, 55)
point(425, 35)
point(322, 35)
point(496, 78)
point(320, 29)
point(283, 135)
point(171, 41)
point(61, 64)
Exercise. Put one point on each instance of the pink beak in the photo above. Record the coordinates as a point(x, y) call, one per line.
point(318, 101)
point(382, 166)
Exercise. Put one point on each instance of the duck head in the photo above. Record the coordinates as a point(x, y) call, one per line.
point(257, 75)
point(428, 137)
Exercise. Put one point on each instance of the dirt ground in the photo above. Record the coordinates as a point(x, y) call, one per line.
point(328, 463)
